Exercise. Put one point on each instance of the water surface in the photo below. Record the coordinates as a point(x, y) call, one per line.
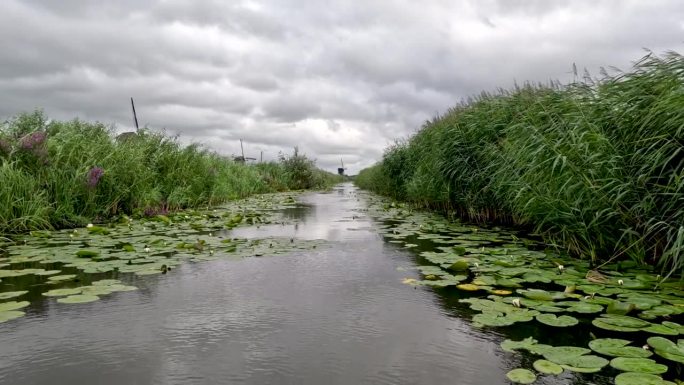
point(332, 315)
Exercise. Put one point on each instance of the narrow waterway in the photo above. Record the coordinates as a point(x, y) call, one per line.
point(331, 315)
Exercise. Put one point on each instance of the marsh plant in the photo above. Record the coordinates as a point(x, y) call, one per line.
point(67, 173)
point(596, 166)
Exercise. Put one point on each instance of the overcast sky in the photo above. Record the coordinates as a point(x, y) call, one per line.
point(340, 79)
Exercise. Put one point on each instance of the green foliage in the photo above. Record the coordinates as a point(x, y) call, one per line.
point(59, 174)
point(596, 167)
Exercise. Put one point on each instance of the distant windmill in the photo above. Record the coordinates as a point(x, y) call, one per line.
point(340, 170)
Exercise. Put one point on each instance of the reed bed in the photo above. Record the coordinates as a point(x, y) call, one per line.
point(596, 166)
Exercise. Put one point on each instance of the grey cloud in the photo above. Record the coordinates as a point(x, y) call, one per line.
point(336, 78)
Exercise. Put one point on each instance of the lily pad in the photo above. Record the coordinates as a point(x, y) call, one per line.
point(59, 278)
point(62, 292)
point(661, 329)
point(563, 354)
point(13, 305)
point(620, 323)
point(641, 365)
point(633, 378)
point(547, 367)
point(10, 315)
point(584, 364)
point(511, 346)
point(618, 348)
point(521, 376)
point(12, 294)
point(557, 321)
point(78, 298)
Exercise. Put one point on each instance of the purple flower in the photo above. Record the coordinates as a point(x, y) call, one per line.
point(33, 140)
point(93, 177)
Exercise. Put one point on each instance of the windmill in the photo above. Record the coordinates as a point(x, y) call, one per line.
point(340, 170)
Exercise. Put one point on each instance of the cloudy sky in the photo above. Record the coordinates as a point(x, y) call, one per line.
point(340, 79)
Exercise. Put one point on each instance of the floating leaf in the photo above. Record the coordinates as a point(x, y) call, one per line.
point(78, 298)
point(59, 278)
point(12, 294)
point(618, 348)
point(13, 305)
point(547, 367)
point(521, 376)
point(10, 315)
point(641, 365)
point(661, 329)
point(633, 378)
point(62, 292)
point(511, 346)
point(562, 354)
point(557, 321)
point(584, 364)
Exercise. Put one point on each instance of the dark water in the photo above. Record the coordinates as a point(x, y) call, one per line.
point(334, 315)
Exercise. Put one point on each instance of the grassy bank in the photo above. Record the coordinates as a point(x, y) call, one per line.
point(596, 167)
point(60, 174)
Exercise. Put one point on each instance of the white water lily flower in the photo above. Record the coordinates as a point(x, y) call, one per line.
point(516, 302)
point(621, 282)
point(89, 225)
point(561, 267)
point(147, 249)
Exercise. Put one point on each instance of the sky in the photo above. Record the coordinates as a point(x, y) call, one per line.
point(339, 79)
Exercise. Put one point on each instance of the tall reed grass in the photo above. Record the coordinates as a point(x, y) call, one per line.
point(596, 166)
point(59, 174)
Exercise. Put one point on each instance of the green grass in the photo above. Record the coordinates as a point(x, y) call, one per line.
point(596, 167)
point(50, 174)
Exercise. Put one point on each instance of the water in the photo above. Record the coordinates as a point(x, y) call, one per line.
point(333, 315)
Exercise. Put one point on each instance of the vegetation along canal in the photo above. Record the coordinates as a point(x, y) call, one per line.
point(337, 287)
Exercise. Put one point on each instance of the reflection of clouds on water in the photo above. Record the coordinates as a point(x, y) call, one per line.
point(321, 216)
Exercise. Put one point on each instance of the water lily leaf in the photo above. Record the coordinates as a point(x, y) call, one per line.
point(13, 305)
point(633, 378)
point(511, 346)
point(620, 308)
point(547, 367)
point(492, 319)
point(620, 323)
point(62, 292)
point(563, 355)
point(584, 364)
point(521, 376)
point(618, 348)
point(10, 315)
point(557, 321)
point(12, 294)
point(585, 308)
point(48, 272)
point(661, 329)
point(78, 298)
point(468, 287)
point(546, 308)
point(641, 365)
point(538, 295)
point(668, 349)
point(59, 278)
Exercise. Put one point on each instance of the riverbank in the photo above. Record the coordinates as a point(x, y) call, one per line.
point(60, 174)
point(595, 167)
